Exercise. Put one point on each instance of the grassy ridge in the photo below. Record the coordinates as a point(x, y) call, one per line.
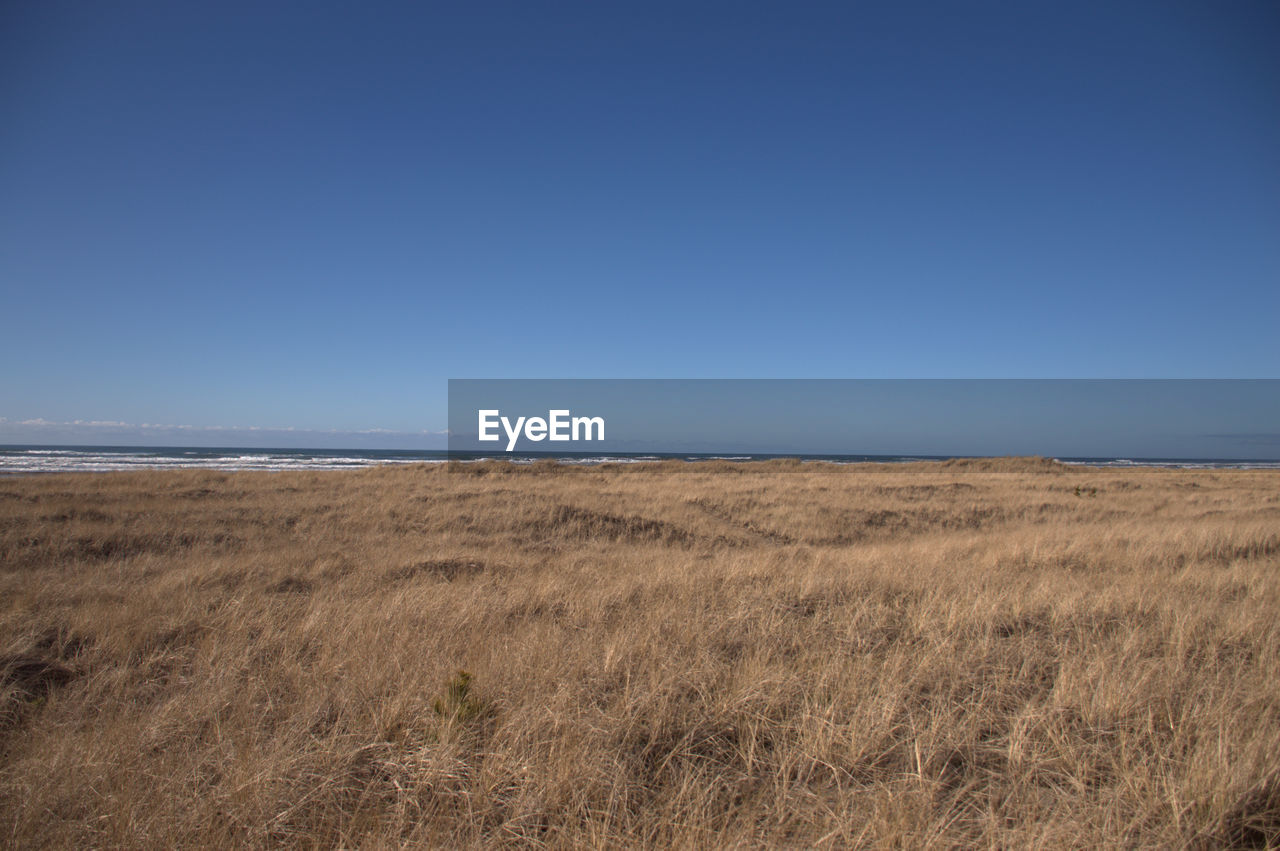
point(995, 653)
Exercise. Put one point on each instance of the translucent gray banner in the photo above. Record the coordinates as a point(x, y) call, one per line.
point(1139, 419)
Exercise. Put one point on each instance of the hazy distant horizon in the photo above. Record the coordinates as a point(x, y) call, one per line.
point(90, 433)
point(1223, 419)
point(82, 459)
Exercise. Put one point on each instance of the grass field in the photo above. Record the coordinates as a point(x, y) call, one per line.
point(994, 654)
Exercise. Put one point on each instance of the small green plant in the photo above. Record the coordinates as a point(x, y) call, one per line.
point(458, 703)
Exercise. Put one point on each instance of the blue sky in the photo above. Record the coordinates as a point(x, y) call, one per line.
point(309, 216)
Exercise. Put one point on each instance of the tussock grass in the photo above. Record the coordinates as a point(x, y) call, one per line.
point(997, 653)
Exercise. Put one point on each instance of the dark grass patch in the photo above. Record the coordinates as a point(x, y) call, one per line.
point(34, 673)
point(26, 682)
point(290, 585)
point(569, 521)
point(448, 570)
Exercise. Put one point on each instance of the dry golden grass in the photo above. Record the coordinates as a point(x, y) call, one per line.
point(998, 654)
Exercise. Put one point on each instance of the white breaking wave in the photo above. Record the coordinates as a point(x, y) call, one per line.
point(15, 461)
point(1176, 465)
point(18, 461)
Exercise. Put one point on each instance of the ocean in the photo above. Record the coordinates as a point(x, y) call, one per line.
point(16, 460)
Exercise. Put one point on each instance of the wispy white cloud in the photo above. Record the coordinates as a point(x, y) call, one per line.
point(40, 430)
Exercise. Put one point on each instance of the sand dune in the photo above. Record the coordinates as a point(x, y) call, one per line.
point(998, 653)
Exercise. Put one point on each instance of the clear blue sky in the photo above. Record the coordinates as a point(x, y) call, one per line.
point(310, 215)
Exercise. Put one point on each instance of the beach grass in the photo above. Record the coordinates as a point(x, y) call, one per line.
point(1003, 653)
